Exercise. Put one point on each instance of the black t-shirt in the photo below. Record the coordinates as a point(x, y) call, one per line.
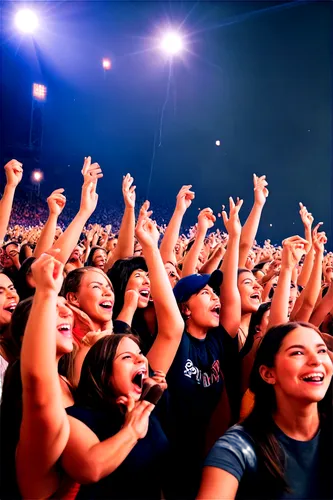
point(196, 380)
point(141, 474)
point(235, 453)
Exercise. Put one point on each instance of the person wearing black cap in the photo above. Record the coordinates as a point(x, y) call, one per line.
point(196, 377)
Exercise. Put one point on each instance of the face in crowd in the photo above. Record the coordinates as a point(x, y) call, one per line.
point(90, 290)
point(203, 309)
point(8, 300)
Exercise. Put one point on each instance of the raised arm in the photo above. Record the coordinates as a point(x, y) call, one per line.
point(14, 172)
point(169, 320)
point(170, 238)
point(312, 289)
point(307, 220)
point(293, 249)
point(323, 308)
point(206, 220)
point(56, 202)
point(44, 429)
point(125, 245)
point(67, 241)
point(251, 225)
point(214, 260)
point(230, 315)
point(88, 460)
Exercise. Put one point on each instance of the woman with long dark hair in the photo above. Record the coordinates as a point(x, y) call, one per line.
point(35, 395)
point(112, 436)
point(283, 449)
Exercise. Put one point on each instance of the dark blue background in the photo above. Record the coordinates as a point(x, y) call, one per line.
point(257, 76)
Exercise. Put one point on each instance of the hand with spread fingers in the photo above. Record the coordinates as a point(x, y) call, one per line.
point(232, 223)
point(136, 416)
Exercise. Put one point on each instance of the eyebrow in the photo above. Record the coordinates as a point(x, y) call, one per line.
point(99, 283)
point(126, 352)
point(248, 278)
point(299, 346)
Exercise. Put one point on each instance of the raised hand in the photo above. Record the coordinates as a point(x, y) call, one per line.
point(206, 219)
point(129, 191)
point(146, 232)
point(91, 171)
point(144, 210)
point(184, 198)
point(47, 272)
point(293, 250)
point(89, 198)
point(56, 202)
point(137, 415)
point(260, 189)
point(131, 299)
point(232, 223)
point(306, 216)
point(319, 241)
point(14, 172)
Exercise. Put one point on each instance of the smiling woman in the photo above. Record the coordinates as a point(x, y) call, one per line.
point(113, 435)
point(8, 302)
point(284, 448)
point(90, 290)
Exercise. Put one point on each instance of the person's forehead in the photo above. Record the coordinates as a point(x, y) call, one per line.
point(246, 275)
point(91, 276)
point(4, 280)
point(127, 345)
point(303, 336)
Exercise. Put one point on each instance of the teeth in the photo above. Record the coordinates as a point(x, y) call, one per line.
point(106, 304)
point(144, 293)
point(64, 327)
point(316, 377)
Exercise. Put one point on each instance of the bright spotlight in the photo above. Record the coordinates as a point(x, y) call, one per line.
point(106, 64)
point(39, 92)
point(37, 175)
point(218, 143)
point(26, 21)
point(172, 43)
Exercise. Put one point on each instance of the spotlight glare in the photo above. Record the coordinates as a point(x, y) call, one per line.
point(37, 175)
point(39, 92)
point(172, 43)
point(26, 21)
point(106, 64)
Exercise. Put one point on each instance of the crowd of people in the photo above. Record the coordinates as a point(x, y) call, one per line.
point(198, 366)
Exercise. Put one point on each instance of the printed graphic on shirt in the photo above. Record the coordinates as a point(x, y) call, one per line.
point(203, 378)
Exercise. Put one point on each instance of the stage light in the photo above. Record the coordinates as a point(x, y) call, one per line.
point(26, 21)
point(37, 175)
point(106, 64)
point(172, 43)
point(218, 143)
point(39, 92)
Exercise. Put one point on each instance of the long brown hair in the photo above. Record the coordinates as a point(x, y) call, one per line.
point(95, 389)
point(260, 423)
